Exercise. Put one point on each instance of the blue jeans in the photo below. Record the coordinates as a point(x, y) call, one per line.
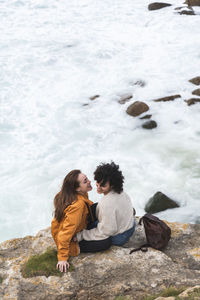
point(121, 238)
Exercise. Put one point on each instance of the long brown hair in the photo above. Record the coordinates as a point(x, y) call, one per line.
point(67, 194)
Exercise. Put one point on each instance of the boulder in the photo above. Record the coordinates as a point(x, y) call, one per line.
point(159, 202)
point(196, 92)
point(146, 117)
point(168, 98)
point(157, 5)
point(195, 80)
point(192, 101)
point(149, 124)
point(94, 97)
point(125, 98)
point(137, 108)
point(188, 12)
point(104, 275)
point(192, 2)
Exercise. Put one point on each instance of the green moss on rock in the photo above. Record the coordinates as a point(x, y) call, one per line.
point(42, 265)
point(1, 279)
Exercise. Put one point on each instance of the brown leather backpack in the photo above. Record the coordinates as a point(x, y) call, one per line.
point(157, 233)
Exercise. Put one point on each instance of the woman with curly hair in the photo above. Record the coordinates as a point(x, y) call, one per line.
point(114, 211)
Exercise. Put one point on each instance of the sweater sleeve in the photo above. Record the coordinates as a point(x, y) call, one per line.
point(70, 225)
point(107, 225)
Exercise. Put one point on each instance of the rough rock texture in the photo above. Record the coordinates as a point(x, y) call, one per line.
point(159, 202)
point(193, 2)
point(195, 80)
point(146, 117)
point(94, 97)
point(168, 98)
point(196, 92)
point(125, 98)
point(192, 101)
point(137, 108)
point(149, 124)
point(107, 274)
point(157, 5)
point(188, 12)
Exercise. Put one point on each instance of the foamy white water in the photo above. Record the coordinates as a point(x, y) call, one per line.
point(54, 55)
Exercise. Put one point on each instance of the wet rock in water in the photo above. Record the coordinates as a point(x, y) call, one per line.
point(146, 117)
point(94, 97)
point(192, 2)
point(157, 5)
point(159, 202)
point(149, 125)
point(140, 83)
point(192, 101)
point(137, 108)
point(196, 92)
point(168, 98)
point(125, 98)
point(188, 12)
point(195, 80)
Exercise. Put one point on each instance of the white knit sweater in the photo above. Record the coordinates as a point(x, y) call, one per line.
point(115, 215)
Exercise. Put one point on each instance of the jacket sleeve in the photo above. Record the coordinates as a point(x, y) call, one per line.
point(70, 225)
point(107, 225)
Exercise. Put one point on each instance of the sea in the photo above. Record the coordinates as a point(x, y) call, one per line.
point(54, 56)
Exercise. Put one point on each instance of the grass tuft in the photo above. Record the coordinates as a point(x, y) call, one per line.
point(171, 291)
point(1, 279)
point(42, 265)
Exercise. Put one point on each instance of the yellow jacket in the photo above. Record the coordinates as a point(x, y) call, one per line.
point(74, 220)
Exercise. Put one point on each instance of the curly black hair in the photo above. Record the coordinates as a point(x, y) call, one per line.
point(110, 173)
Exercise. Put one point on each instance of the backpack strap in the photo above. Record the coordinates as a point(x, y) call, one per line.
point(90, 212)
point(143, 248)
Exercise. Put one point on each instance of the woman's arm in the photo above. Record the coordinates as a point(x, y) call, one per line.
point(70, 225)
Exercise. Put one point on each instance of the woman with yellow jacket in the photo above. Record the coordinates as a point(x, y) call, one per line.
point(71, 216)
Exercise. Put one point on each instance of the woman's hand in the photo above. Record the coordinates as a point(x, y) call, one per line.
point(74, 239)
point(62, 266)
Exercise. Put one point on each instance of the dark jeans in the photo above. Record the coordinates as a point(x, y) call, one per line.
point(94, 246)
point(121, 238)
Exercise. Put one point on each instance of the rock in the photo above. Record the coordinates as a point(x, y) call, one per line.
point(195, 80)
point(140, 83)
point(146, 117)
point(192, 101)
point(168, 98)
point(192, 2)
point(94, 97)
point(149, 124)
point(108, 274)
point(157, 5)
point(189, 12)
point(125, 98)
point(159, 202)
point(137, 108)
point(196, 92)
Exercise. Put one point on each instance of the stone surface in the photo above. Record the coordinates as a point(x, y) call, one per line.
point(94, 97)
point(146, 117)
point(193, 2)
point(104, 275)
point(196, 92)
point(149, 124)
point(157, 5)
point(195, 80)
point(159, 202)
point(192, 101)
point(125, 98)
point(188, 12)
point(168, 98)
point(137, 108)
